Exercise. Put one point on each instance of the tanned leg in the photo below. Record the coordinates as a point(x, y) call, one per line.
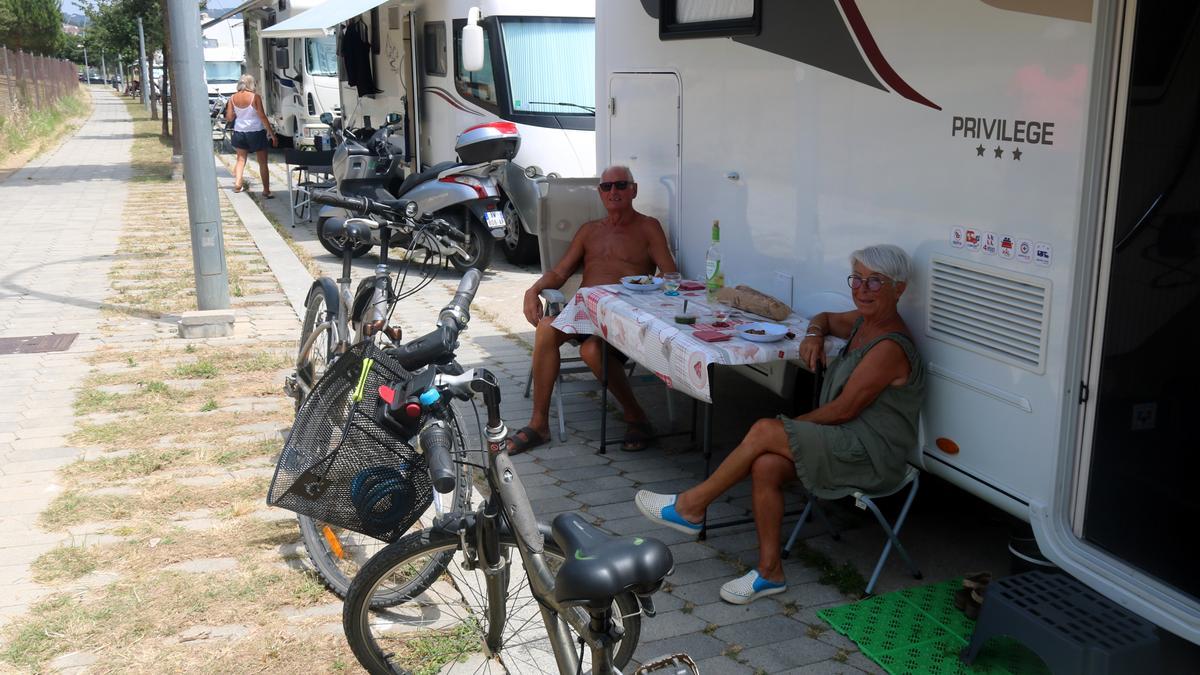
point(238, 167)
point(264, 171)
point(770, 472)
point(618, 381)
point(546, 362)
point(766, 437)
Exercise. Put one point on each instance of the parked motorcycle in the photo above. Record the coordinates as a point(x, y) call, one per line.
point(464, 194)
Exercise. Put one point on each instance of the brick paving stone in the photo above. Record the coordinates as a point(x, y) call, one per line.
point(599, 483)
point(724, 614)
point(767, 630)
point(702, 570)
point(696, 645)
point(603, 497)
point(723, 664)
point(669, 624)
point(784, 652)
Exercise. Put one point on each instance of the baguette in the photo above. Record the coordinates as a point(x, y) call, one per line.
point(754, 301)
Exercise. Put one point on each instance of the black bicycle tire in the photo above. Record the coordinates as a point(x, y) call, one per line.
point(354, 611)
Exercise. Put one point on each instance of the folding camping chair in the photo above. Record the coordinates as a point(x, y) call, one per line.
point(313, 170)
point(866, 501)
point(575, 203)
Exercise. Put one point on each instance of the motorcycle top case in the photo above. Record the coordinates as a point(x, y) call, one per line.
point(488, 142)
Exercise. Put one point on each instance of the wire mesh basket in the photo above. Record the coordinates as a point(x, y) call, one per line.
point(340, 466)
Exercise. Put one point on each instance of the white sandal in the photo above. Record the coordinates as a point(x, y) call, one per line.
point(750, 587)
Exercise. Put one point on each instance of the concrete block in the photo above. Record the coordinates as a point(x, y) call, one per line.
point(206, 323)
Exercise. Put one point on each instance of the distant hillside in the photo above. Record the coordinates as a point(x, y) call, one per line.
point(74, 19)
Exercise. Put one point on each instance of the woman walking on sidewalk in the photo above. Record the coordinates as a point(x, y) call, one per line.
point(250, 132)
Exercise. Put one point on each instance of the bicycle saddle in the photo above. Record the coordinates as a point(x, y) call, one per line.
point(356, 232)
point(600, 566)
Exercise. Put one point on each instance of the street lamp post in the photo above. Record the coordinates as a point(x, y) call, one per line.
point(87, 74)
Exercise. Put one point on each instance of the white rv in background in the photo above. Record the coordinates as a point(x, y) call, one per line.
point(537, 73)
point(297, 77)
point(1039, 162)
point(224, 55)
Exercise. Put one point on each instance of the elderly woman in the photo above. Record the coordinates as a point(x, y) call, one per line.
point(250, 131)
point(857, 438)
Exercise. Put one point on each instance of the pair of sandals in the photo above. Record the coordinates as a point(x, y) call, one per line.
point(969, 598)
point(267, 194)
point(637, 438)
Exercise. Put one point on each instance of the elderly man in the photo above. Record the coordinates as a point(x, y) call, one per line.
point(623, 243)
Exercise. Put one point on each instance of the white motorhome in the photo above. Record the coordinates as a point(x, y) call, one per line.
point(1038, 160)
point(538, 69)
point(224, 55)
point(297, 77)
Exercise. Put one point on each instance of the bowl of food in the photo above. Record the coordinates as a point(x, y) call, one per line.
point(642, 282)
point(762, 331)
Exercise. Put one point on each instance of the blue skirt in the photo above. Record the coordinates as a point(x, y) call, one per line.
point(250, 141)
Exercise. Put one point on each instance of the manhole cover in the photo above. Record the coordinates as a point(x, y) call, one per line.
point(37, 344)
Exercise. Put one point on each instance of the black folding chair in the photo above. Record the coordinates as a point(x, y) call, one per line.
point(313, 170)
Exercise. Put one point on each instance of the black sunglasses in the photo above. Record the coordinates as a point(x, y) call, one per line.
point(619, 184)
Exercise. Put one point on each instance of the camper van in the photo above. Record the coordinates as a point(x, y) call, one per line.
point(1037, 160)
point(224, 55)
point(537, 72)
point(297, 77)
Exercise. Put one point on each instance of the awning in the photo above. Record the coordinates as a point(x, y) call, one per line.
point(320, 20)
point(236, 10)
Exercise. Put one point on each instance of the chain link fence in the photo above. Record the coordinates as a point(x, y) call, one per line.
point(30, 82)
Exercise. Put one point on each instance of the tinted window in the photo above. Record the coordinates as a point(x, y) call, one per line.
point(435, 48)
point(480, 85)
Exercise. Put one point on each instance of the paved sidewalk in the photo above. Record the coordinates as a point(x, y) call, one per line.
point(58, 231)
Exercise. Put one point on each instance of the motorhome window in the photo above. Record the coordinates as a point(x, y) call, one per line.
point(222, 72)
point(550, 64)
point(479, 86)
point(435, 48)
point(322, 56)
point(680, 19)
point(209, 43)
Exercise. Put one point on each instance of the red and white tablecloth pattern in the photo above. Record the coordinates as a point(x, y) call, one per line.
point(642, 325)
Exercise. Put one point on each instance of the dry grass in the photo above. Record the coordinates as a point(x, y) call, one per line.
point(157, 414)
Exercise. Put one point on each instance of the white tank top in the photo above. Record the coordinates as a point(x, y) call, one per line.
point(246, 119)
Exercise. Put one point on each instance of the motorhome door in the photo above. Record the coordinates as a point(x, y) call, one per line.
point(643, 134)
point(1137, 499)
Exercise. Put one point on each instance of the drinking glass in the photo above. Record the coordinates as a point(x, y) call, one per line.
point(671, 282)
point(720, 316)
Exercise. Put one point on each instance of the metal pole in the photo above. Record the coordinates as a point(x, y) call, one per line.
point(200, 174)
point(103, 68)
point(87, 70)
point(145, 85)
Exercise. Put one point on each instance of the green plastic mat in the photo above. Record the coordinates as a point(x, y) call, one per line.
point(917, 631)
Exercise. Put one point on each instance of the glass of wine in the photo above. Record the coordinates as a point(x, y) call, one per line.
point(671, 282)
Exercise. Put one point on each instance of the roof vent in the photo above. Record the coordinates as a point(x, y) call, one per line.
point(989, 310)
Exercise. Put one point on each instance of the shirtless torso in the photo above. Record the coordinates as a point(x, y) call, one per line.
point(615, 250)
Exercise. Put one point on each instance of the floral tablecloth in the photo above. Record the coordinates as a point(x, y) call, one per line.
point(642, 325)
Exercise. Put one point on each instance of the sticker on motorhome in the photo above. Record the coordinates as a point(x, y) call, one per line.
point(957, 237)
point(1025, 250)
point(972, 239)
point(989, 243)
point(1041, 254)
point(1006, 131)
point(1006, 247)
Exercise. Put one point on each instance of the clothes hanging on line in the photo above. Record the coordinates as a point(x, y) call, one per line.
point(357, 57)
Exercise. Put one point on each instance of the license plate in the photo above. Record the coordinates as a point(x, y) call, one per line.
point(495, 220)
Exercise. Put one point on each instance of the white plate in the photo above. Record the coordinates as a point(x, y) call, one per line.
point(773, 331)
point(627, 282)
point(495, 221)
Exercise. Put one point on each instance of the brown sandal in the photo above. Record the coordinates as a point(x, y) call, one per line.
point(524, 440)
point(968, 601)
point(637, 436)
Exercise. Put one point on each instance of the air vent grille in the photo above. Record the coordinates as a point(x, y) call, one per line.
point(989, 310)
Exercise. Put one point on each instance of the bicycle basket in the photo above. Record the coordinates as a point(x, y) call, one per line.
point(339, 466)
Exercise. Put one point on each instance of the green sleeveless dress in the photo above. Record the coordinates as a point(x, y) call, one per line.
point(867, 453)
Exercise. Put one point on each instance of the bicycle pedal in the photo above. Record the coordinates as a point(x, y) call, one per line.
point(673, 664)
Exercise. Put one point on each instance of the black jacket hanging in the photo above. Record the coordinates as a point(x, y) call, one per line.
point(356, 56)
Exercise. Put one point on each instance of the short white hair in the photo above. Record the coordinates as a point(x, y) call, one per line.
point(886, 259)
point(246, 83)
point(620, 167)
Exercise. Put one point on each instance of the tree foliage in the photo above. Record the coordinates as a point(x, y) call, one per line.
point(31, 25)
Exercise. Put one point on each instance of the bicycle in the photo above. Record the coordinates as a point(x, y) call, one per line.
point(458, 591)
point(334, 321)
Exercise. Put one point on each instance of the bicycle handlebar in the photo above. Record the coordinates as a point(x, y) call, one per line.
point(392, 209)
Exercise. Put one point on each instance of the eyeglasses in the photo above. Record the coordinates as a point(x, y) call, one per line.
point(607, 186)
point(873, 283)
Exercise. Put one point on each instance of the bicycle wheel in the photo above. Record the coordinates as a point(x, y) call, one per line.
point(313, 367)
point(338, 554)
point(442, 622)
